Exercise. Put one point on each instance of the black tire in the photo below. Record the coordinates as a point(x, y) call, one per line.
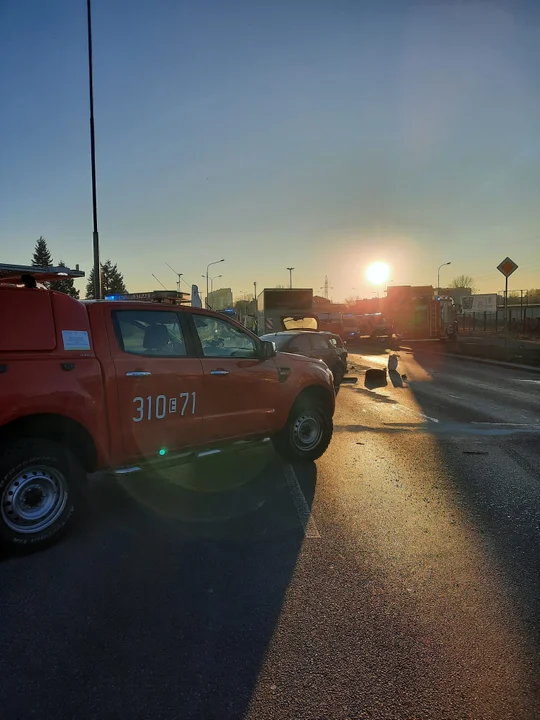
point(339, 374)
point(308, 431)
point(40, 484)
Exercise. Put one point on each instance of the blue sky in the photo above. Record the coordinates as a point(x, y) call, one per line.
point(317, 134)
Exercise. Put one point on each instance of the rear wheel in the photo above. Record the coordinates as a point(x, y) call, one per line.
point(39, 492)
point(307, 433)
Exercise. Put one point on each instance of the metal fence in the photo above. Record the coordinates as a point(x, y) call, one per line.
point(523, 322)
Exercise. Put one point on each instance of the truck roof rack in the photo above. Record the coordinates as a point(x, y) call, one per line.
point(23, 273)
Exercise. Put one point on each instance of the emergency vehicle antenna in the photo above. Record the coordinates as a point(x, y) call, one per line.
point(159, 281)
point(176, 273)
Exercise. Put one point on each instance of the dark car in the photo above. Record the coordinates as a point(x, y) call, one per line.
point(324, 346)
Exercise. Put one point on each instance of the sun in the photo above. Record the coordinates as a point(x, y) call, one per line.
point(377, 273)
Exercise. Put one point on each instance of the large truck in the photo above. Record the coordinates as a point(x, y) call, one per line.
point(417, 313)
point(343, 324)
point(286, 309)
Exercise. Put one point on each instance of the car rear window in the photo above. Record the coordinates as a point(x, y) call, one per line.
point(300, 345)
point(319, 342)
point(279, 340)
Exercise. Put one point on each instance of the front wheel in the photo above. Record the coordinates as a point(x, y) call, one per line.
point(307, 433)
point(39, 485)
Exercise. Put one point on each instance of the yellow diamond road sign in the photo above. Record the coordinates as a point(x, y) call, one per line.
point(507, 267)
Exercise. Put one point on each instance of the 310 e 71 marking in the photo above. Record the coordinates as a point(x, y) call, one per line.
point(150, 407)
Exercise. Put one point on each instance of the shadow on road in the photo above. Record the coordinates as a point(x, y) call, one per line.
point(389, 429)
point(504, 505)
point(375, 397)
point(163, 604)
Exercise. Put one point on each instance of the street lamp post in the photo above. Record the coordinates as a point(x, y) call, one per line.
point(439, 277)
point(212, 281)
point(207, 269)
point(95, 233)
point(290, 269)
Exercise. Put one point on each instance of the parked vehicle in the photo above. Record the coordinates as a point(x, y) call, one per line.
point(324, 346)
point(123, 385)
point(285, 309)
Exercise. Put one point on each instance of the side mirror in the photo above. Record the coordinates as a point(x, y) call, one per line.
point(266, 350)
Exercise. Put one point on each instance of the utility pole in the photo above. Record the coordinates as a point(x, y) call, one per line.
point(95, 233)
point(255, 308)
point(290, 269)
point(326, 288)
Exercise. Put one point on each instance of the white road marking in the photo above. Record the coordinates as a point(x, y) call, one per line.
point(407, 410)
point(302, 510)
point(524, 380)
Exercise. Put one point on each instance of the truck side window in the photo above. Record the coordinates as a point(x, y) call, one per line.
point(150, 332)
point(220, 339)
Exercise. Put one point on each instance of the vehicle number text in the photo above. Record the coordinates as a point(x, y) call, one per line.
point(150, 407)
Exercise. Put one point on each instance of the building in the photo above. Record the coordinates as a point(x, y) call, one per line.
point(323, 305)
point(220, 299)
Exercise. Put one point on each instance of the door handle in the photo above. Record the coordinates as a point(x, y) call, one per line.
point(138, 373)
point(219, 372)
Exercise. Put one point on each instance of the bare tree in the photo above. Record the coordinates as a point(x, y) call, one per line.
point(464, 281)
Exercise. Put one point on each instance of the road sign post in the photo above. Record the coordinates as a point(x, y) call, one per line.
point(507, 267)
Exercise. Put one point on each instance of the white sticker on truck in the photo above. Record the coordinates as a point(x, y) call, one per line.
point(75, 340)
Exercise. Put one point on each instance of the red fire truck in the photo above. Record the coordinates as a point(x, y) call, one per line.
point(417, 313)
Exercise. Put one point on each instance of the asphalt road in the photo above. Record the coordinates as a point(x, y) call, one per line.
point(399, 577)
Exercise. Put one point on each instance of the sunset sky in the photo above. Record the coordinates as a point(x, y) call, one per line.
point(307, 133)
